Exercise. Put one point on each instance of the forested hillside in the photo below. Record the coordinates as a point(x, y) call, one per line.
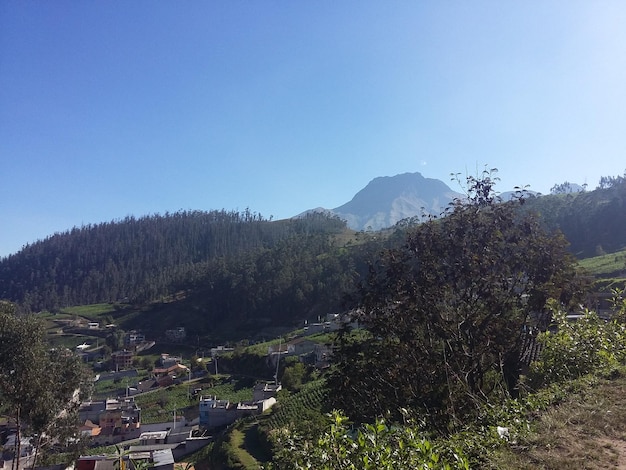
point(593, 222)
point(145, 259)
point(245, 268)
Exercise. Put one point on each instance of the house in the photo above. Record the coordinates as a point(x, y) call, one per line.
point(219, 350)
point(120, 417)
point(145, 385)
point(314, 328)
point(90, 411)
point(26, 446)
point(122, 359)
point(323, 353)
point(263, 391)
point(216, 413)
point(167, 360)
point(157, 458)
point(275, 352)
point(166, 376)
point(93, 325)
point(153, 437)
point(300, 346)
point(89, 429)
point(133, 460)
point(133, 338)
point(99, 462)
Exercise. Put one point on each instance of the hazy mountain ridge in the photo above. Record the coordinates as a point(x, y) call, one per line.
point(388, 199)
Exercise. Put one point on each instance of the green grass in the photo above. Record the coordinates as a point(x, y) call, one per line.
point(242, 456)
point(107, 388)
point(605, 265)
point(93, 311)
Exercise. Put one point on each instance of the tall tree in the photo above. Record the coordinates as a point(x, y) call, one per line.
point(445, 314)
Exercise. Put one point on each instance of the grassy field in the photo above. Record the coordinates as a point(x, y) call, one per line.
point(605, 265)
point(93, 311)
point(236, 442)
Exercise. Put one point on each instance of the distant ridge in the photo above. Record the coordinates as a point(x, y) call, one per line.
point(387, 200)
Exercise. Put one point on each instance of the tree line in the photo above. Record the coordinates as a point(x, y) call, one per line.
point(593, 222)
point(139, 260)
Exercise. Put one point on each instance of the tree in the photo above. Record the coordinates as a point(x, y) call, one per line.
point(39, 386)
point(610, 181)
point(563, 188)
point(293, 376)
point(444, 315)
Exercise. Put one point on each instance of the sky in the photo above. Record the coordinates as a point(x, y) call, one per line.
point(116, 108)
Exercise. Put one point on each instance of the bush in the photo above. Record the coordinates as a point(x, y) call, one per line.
point(374, 446)
point(587, 344)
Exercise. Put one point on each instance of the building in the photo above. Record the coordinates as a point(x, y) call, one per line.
point(300, 346)
point(219, 350)
point(122, 359)
point(323, 353)
point(216, 413)
point(133, 460)
point(119, 417)
point(133, 338)
point(168, 361)
point(263, 391)
point(166, 376)
point(89, 429)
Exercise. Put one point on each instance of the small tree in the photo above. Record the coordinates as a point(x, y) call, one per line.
point(39, 386)
point(293, 376)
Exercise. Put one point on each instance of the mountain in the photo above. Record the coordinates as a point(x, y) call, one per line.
point(389, 199)
point(238, 269)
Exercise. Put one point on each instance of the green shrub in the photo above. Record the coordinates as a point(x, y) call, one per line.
point(587, 344)
point(374, 446)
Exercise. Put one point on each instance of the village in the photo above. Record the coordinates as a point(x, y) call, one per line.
point(111, 422)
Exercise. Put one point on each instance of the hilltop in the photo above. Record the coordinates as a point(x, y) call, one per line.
point(230, 273)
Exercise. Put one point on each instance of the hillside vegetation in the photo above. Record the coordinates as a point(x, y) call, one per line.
point(240, 264)
point(224, 272)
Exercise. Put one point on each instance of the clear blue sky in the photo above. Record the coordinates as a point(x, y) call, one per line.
point(113, 108)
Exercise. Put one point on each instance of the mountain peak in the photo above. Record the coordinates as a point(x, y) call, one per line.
point(388, 199)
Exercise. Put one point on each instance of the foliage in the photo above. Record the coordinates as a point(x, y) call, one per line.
point(593, 221)
point(145, 259)
point(445, 313)
point(584, 428)
point(610, 181)
point(95, 311)
point(565, 188)
point(372, 446)
point(39, 387)
point(293, 409)
point(293, 376)
point(575, 348)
